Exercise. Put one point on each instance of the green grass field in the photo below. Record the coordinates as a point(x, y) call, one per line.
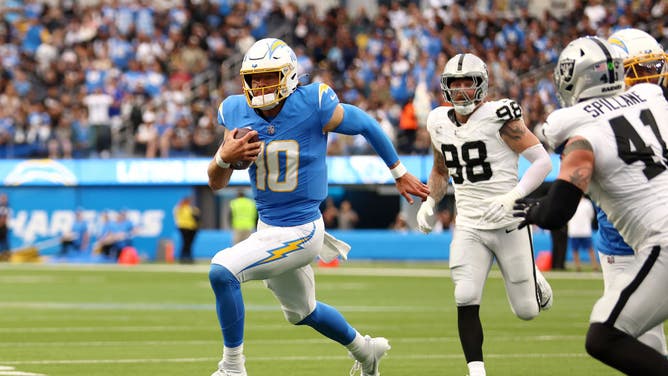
point(160, 320)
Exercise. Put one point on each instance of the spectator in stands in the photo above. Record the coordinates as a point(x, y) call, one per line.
point(62, 138)
point(177, 140)
point(205, 136)
point(6, 131)
point(98, 104)
point(143, 47)
point(147, 138)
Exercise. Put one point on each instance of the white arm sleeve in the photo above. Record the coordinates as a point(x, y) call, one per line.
point(541, 165)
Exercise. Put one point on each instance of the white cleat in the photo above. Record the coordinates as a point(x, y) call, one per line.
point(544, 292)
point(378, 348)
point(221, 371)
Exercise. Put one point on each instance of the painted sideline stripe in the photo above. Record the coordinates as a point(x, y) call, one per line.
point(342, 270)
point(278, 341)
point(290, 358)
point(202, 307)
point(11, 371)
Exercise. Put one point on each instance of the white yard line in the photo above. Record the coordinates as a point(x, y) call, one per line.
point(277, 341)
point(199, 307)
point(309, 358)
point(11, 371)
point(341, 270)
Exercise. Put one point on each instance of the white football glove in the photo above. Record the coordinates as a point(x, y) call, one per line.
point(426, 218)
point(500, 206)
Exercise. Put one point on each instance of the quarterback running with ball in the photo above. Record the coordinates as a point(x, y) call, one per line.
point(289, 180)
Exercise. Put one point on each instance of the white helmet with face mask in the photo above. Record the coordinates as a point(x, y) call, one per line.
point(266, 56)
point(644, 58)
point(465, 66)
point(588, 67)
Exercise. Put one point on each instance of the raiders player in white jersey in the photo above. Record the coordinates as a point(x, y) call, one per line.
point(478, 143)
point(617, 153)
point(644, 62)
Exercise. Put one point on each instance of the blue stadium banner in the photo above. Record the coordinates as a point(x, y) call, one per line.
point(192, 171)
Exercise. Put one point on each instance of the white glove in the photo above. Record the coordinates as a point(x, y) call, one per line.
point(426, 218)
point(500, 206)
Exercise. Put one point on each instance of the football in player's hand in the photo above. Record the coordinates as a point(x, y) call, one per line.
point(242, 165)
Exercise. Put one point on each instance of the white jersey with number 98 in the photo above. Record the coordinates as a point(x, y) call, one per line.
point(479, 162)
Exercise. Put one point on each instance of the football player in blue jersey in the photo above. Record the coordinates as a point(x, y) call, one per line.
point(289, 181)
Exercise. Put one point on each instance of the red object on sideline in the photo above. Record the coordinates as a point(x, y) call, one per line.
point(332, 264)
point(128, 256)
point(544, 261)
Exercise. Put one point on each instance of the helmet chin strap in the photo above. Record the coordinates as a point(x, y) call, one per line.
point(261, 99)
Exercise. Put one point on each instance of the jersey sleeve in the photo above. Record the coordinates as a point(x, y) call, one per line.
point(563, 124)
point(231, 111)
point(497, 113)
point(221, 117)
point(507, 110)
point(327, 100)
point(433, 120)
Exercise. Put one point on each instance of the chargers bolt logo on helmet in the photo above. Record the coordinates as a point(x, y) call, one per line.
point(266, 56)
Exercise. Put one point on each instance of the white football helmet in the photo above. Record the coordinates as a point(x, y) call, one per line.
point(264, 56)
point(465, 66)
point(588, 67)
point(644, 58)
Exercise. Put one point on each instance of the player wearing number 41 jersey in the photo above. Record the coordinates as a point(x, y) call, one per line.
point(478, 144)
point(615, 151)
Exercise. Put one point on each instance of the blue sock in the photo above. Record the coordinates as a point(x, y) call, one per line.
point(229, 304)
point(330, 323)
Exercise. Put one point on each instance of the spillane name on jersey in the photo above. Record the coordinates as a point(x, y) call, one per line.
point(479, 162)
point(289, 178)
point(630, 182)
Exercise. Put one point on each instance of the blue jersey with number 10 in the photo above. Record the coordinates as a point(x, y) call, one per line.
point(289, 178)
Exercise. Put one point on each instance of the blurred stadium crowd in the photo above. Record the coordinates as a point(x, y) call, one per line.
point(141, 78)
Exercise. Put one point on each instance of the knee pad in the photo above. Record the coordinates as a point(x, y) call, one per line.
point(466, 294)
point(294, 317)
point(295, 308)
point(221, 278)
point(526, 310)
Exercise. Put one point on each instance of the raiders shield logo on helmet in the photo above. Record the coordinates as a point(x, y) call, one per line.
point(566, 69)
